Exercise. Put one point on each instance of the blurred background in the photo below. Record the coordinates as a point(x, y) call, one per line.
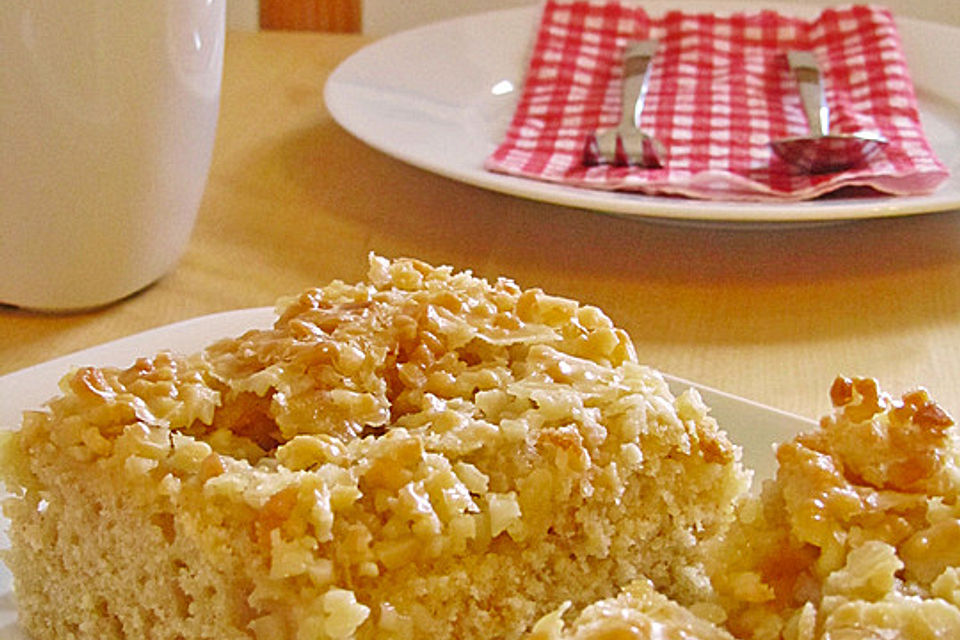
point(379, 17)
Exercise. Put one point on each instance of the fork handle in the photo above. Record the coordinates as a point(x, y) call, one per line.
point(807, 72)
point(636, 74)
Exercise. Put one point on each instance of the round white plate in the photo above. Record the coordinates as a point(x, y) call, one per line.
point(440, 97)
point(755, 427)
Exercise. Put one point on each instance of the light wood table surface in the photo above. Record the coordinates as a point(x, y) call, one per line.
point(772, 315)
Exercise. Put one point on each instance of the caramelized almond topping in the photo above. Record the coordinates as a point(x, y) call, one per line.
point(841, 392)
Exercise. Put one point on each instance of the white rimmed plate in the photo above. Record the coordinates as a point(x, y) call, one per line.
point(440, 97)
point(753, 426)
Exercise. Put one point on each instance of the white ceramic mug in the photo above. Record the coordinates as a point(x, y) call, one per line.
point(108, 110)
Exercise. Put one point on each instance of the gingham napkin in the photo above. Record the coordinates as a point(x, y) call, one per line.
point(720, 90)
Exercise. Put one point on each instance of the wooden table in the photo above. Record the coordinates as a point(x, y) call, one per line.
point(773, 315)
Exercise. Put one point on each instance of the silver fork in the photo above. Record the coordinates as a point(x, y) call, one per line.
point(627, 144)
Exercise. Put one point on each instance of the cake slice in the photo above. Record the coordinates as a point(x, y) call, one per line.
point(423, 454)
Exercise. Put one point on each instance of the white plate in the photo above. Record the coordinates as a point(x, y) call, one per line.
point(754, 426)
point(440, 97)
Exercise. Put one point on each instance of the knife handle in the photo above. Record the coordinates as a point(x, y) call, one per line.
point(636, 74)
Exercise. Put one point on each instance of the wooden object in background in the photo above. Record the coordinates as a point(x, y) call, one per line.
point(342, 16)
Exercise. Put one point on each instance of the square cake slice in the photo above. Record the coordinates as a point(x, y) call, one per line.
point(423, 454)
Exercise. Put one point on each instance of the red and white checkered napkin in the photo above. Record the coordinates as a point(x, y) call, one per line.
point(720, 90)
